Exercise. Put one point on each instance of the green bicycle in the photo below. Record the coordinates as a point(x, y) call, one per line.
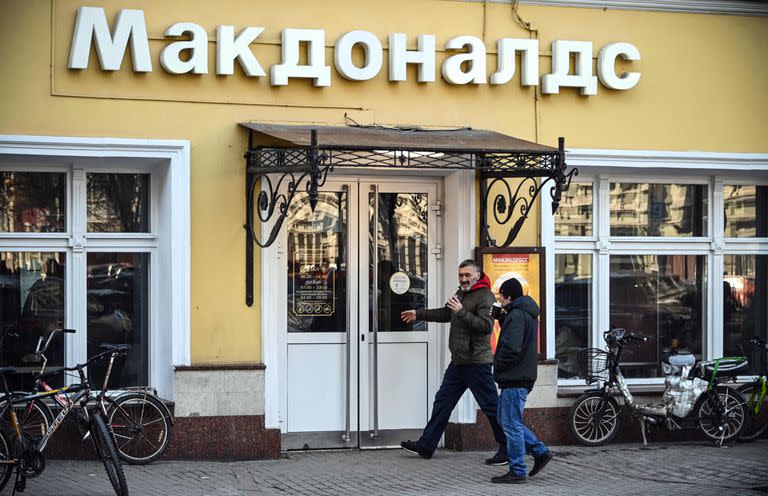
point(757, 399)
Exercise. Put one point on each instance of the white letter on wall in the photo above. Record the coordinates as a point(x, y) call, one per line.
point(424, 56)
point(452, 71)
point(129, 25)
point(606, 66)
point(289, 66)
point(529, 61)
point(561, 61)
point(229, 48)
point(198, 61)
point(342, 55)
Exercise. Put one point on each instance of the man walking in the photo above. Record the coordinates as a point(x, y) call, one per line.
point(514, 369)
point(469, 312)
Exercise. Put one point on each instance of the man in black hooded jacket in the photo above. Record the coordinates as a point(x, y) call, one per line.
point(514, 370)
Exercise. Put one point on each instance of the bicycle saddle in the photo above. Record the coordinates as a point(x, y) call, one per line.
point(7, 370)
point(115, 347)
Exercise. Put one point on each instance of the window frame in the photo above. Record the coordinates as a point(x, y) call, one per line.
point(601, 167)
point(167, 162)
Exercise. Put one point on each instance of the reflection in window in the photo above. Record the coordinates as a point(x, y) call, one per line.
point(317, 263)
point(658, 210)
point(398, 241)
point(746, 211)
point(573, 310)
point(118, 306)
point(574, 215)
point(660, 297)
point(745, 279)
point(118, 202)
point(32, 202)
point(31, 306)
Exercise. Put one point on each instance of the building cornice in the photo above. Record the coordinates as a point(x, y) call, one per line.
point(736, 7)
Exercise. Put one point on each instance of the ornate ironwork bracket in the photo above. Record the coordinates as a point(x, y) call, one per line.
point(513, 207)
point(271, 202)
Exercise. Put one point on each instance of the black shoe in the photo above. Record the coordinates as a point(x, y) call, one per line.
point(509, 478)
point(540, 462)
point(414, 448)
point(500, 458)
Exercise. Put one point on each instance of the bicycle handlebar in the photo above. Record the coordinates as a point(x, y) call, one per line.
point(39, 351)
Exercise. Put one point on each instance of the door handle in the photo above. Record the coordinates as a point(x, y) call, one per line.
point(375, 310)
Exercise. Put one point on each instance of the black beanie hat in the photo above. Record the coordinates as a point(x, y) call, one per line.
point(511, 288)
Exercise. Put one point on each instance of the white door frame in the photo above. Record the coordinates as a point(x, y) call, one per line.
point(459, 237)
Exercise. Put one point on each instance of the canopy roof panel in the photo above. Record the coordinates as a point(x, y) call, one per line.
point(465, 140)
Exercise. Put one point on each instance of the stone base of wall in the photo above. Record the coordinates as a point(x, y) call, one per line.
point(231, 437)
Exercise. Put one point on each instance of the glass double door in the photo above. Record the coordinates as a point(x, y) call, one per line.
point(356, 374)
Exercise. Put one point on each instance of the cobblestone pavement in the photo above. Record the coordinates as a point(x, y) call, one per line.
point(671, 469)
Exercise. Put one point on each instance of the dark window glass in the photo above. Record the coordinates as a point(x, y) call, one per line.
point(745, 308)
point(658, 210)
point(746, 211)
point(317, 264)
point(398, 242)
point(574, 215)
point(660, 297)
point(31, 306)
point(573, 310)
point(33, 202)
point(118, 306)
point(118, 202)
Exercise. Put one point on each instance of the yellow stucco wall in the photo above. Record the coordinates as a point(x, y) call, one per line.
point(702, 88)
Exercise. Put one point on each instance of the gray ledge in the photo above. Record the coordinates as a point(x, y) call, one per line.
point(736, 7)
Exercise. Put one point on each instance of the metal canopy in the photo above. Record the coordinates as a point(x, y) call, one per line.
point(289, 159)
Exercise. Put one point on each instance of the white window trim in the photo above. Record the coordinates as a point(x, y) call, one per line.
point(655, 166)
point(173, 274)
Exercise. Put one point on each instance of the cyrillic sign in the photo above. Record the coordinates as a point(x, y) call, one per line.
point(466, 63)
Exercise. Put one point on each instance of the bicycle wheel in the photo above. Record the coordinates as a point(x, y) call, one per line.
point(594, 419)
point(105, 447)
point(142, 427)
point(6, 467)
point(34, 418)
point(758, 413)
point(722, 415)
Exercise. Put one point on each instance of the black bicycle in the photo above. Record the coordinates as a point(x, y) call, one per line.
point(22, 445)
point(756, 395)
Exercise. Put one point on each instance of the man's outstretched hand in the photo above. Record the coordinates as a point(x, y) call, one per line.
point(408, 316)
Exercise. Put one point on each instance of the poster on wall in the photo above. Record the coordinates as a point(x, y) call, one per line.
point(313, 287)
point(527, 266)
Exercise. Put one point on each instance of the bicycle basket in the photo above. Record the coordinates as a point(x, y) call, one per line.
point(594, 365)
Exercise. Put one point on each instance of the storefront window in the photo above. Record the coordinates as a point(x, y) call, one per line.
point(573, 310)
point(31, 306)
point(398, 246)
point(746, 211)
point(317, 277)
point(660, 297)
point(33, 202)
point(745, 279)
point(118, 306)
point(574, 215)
point(671, 210)
point(118, 202)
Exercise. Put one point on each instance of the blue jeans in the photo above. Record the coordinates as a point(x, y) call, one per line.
point(520, 440)
point(457, 378)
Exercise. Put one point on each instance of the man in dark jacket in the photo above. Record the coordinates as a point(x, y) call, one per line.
point(469, 312)
point(514, 369)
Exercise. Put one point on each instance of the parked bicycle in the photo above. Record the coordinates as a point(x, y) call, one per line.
point(693, 396)
point(755, 394)
point(21, 452)
point(140, 421)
